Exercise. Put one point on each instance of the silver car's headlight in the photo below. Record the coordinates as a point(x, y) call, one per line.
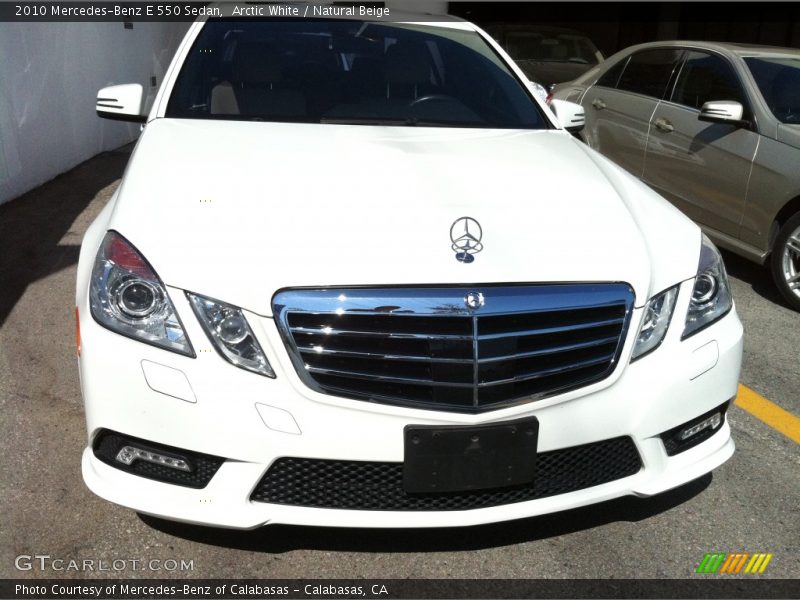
point(127, 297)
point(711, 296)
point(657, 315)
point(229, 332)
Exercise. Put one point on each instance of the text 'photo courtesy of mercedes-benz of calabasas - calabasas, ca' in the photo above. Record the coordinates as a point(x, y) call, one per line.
point(326, 292)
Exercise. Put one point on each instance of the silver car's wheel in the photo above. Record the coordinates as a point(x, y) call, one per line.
point(786, 261)
point(791, 261)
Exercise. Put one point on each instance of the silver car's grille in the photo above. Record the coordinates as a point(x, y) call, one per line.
point(424, 347)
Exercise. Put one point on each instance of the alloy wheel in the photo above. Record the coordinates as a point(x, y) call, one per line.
point(791, 261)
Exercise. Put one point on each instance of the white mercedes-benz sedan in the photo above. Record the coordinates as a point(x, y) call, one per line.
point(356, 274)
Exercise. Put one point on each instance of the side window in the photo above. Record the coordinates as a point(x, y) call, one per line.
point(611, 77)
point(705, 77)
point(649, 71)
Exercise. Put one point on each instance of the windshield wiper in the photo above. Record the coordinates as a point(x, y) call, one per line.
point(407, 122)
point(360, 121)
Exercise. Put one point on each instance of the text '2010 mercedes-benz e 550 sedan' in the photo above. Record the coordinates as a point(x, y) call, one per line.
point(326, 293)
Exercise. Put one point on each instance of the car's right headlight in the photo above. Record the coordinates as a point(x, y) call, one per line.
point(655, 322)
point(711, 296)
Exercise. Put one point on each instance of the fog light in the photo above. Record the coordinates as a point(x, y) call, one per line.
point(143, 458)
point(711, 422)
point(128, 454)
point(691, 433)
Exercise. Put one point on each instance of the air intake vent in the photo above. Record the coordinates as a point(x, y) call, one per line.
point(356, 485)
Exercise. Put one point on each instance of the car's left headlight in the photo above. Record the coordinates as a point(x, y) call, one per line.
point(711, 296)
point(230, 333)
point(127, 297)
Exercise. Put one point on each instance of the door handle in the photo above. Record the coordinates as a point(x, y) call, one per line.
point(663, 124)
point(598, 104)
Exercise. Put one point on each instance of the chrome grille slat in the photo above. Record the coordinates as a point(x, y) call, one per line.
point(376, 356)
point(389, 399)
point(544, 373)
point(543, 331)
point(425, 336)
point(376, 377)
point(423, 347)
point(548, 350)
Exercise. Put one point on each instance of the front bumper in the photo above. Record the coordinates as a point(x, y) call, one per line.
point(207, 405)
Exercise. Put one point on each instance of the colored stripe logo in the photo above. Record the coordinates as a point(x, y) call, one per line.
point(733, 564)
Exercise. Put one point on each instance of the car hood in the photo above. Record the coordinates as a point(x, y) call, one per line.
point(237, 210)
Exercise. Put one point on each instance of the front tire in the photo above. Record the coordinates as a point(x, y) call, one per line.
point(785, 261)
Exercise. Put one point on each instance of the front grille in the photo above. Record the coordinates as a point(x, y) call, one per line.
point(423, 346)
point(379, 486)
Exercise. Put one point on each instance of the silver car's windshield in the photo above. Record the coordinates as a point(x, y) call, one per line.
point(352, 72)
point(778, 79)
point(532, 45)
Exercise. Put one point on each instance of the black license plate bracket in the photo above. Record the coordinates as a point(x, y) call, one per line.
point(463, 458)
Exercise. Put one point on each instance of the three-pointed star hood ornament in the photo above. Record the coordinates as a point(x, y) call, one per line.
point(465, 235)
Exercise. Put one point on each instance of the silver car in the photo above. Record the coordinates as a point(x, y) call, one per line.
point(714, 128)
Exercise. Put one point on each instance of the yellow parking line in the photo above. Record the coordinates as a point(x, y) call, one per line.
point(768, 412)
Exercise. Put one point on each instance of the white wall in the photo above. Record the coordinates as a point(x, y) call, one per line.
point(49, 77)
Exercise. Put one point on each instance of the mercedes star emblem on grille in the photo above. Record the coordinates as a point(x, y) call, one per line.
point(474, 300)
point(466, 234)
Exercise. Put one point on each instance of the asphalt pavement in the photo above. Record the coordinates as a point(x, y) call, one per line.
point(750, 504)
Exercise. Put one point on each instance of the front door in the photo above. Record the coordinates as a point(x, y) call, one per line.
point(703, 168)
point(619, 107)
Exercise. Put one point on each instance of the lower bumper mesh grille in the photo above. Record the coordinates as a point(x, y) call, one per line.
point(357, 485)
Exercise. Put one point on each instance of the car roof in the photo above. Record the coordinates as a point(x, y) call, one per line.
point(735, 48)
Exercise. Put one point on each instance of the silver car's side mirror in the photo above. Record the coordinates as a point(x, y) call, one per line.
point(121, 103)
point(722, 112)
point(571, 116)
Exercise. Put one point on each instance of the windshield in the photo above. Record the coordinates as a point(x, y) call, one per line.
point(778, 79)
point(336, 71)
point(531, 45)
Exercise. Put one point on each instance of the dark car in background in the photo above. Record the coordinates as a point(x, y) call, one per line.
point(548, 55)
point(715, 129)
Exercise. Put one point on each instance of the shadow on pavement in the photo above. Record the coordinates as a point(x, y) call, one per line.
point(283, 538)
point(758, 277)
point(32, 225)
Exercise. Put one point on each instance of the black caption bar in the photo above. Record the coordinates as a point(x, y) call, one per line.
point(182, 589)
point(163, 10)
